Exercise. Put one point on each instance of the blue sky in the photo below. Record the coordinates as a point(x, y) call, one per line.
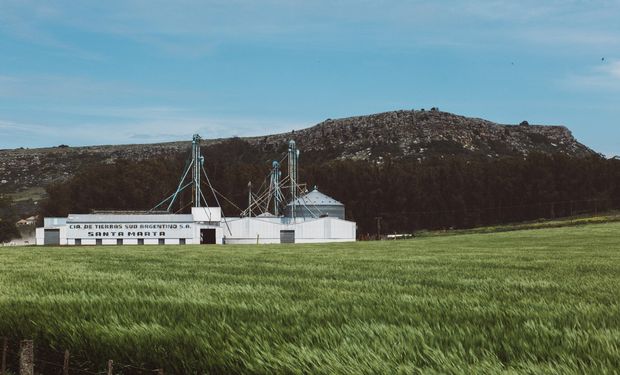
point(138, 71)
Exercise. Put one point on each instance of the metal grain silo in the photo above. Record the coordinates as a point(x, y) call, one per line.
point(315, 204)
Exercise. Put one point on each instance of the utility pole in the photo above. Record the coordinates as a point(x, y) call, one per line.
point(378, 218)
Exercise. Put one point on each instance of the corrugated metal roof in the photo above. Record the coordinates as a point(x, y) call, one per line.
point(94, 218)
point(316, 198)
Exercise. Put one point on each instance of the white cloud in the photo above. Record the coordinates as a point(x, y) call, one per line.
point(78, 111)
point(193, 28)
point(196, 27)
point(613, 70)
point(7, 126)
point(182, 128)
point(27, 20)
point(14, 133)
point(571, 36)
point(67, 88)
point(142, 129)
point(605, 77)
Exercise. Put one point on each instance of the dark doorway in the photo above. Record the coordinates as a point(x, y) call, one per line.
point(119, 241)
point(207, 236)
point(98, 241)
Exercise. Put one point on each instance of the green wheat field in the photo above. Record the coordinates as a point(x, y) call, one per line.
point(531, 301)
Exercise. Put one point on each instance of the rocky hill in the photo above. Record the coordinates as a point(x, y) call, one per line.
point(414, 135)
point(422, 134)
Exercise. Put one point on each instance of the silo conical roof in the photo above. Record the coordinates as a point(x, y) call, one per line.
point(315, 198)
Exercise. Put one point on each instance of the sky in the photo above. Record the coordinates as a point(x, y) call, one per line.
point(142, 71)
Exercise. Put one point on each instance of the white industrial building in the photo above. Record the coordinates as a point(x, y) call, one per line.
point(250, 230)
point(310, 217)
point(194, 228)
point(201, 226)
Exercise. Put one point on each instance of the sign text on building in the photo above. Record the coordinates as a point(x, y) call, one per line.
point(130, 230)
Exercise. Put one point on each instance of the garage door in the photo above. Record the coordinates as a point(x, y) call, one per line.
point(287, 236)
point(51, 237)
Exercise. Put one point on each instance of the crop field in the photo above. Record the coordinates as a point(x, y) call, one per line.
point(536, 301)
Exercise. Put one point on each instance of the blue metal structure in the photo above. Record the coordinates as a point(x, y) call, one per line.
point(196, 165)
point(197, 161)
point(274, 187)
point(293, 156)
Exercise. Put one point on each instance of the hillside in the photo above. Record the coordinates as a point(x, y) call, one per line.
point(423, 134)
point(415, 135)
point(398, 134)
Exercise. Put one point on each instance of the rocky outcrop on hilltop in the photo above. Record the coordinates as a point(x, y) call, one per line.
point(422, 134)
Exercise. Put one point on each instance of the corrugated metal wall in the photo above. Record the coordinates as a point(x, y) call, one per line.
point(316, 211)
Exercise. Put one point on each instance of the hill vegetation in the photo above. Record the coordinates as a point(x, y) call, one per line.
point(398, 135)
point(538, 301)
point(448, 192)
point(8, 217)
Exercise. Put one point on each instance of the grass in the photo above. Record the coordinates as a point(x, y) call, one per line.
point(570, 221)
point(34, 193)
point(537, 301)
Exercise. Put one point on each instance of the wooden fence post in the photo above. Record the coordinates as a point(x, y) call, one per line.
point(110, 366)
point(26, 358)
point(65, 365)
point(5, 347)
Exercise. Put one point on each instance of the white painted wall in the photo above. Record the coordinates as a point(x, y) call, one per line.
point(252, 230)
point(206, 214)
point(39, 236)
point(249, 230)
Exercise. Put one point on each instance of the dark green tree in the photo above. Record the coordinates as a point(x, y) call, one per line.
point(8, 230)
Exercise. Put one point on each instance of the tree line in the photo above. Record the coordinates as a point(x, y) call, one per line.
point(408, 195)
point(8, 217)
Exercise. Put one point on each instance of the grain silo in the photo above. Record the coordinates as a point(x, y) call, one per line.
point(314, 205)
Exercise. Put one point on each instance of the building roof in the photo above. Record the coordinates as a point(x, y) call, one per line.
point(106, 218)
point(27, 221)
point(316, 198)
point(266, 214)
